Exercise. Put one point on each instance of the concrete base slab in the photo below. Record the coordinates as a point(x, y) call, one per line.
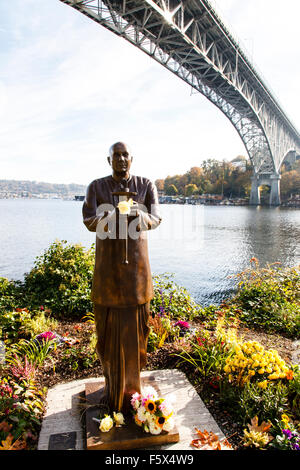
point(66, 408)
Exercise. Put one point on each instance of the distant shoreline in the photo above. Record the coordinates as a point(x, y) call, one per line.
point(294, 203)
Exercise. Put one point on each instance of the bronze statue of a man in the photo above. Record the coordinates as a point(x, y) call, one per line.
point(121, 292)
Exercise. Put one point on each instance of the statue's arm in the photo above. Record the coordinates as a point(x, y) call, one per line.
point(96, 218)
point(89, 209)
point(150, 216)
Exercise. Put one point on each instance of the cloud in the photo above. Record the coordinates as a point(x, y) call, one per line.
point(69, 88)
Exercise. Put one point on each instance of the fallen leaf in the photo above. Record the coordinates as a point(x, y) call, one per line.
point(209, 441)
point(264, 427)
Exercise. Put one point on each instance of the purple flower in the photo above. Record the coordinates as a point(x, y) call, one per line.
point(287, 433)
point(162, 312)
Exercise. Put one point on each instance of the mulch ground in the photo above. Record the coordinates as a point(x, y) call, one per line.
point(57, 369)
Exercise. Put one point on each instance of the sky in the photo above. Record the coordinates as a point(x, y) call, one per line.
point(69, 88)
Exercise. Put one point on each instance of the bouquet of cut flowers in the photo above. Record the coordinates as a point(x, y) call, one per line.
point(154, 414)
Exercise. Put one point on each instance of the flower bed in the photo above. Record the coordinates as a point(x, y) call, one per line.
point(248, 384)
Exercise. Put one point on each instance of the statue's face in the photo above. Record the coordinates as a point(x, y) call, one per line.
point(121, 159)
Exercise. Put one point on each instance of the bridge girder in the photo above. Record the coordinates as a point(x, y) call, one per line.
point(189, 39)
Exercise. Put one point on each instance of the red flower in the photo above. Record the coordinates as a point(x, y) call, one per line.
point(200, 341)
point(214, 383)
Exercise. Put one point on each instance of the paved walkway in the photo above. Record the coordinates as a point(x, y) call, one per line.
point(62, 426)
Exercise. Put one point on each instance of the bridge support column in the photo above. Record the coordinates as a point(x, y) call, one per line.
point(275, 190)
point(255, 194)
point(268, 180)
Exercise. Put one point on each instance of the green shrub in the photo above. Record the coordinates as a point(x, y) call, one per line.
point(13, 324)
point(11, 295)
point(79, 357)
point(268, 299)
point(38, 323)
point(35, 351)
point(251, 400)
point(161, 330)
point(207, 354)
point(172, 300)
point(61, 280)
point(294, 391)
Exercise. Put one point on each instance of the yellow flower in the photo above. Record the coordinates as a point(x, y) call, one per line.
point(124, 206)
point(273, 376)
point(118, 419)
point(263, 384)
point(160, 421)
point(285, 419)
point(150, 406)
point(106, 424)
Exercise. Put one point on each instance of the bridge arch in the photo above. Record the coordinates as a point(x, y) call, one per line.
point(189, 38)
point(290, 151)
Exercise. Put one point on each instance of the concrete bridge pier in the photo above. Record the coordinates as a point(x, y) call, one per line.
point(255, 193)
point(268, 180)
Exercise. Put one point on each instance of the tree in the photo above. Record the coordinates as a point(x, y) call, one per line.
point(290, 183)
point(160, 184)
point(171, 190)
point(190, 189)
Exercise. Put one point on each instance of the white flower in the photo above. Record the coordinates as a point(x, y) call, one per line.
point(106, 424)
point(169, 424)
point(154, 429)
point(135, 400)
point(150, 392)
point(118, 419)
point(136, 404)
point(166, 408)
point(141, 414)
point(149, 417)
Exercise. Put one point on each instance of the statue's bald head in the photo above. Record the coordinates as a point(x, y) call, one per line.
point(118, 144)
point(120, 159)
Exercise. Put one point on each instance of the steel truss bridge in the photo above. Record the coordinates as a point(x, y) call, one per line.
point(190, 39)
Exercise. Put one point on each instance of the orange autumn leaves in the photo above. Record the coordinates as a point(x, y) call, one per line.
point(207, 440)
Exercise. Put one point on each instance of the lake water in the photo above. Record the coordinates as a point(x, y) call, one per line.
point(201, 245)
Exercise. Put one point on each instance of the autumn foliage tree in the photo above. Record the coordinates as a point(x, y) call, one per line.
point(212, 177)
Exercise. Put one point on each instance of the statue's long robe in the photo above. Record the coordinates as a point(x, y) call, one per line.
point(121, 292)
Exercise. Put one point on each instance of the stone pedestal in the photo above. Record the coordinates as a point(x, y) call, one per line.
point(129, 436)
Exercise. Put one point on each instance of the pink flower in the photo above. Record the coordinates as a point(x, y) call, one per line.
point(47, 336)
point(135, 400)
point(183, 324)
